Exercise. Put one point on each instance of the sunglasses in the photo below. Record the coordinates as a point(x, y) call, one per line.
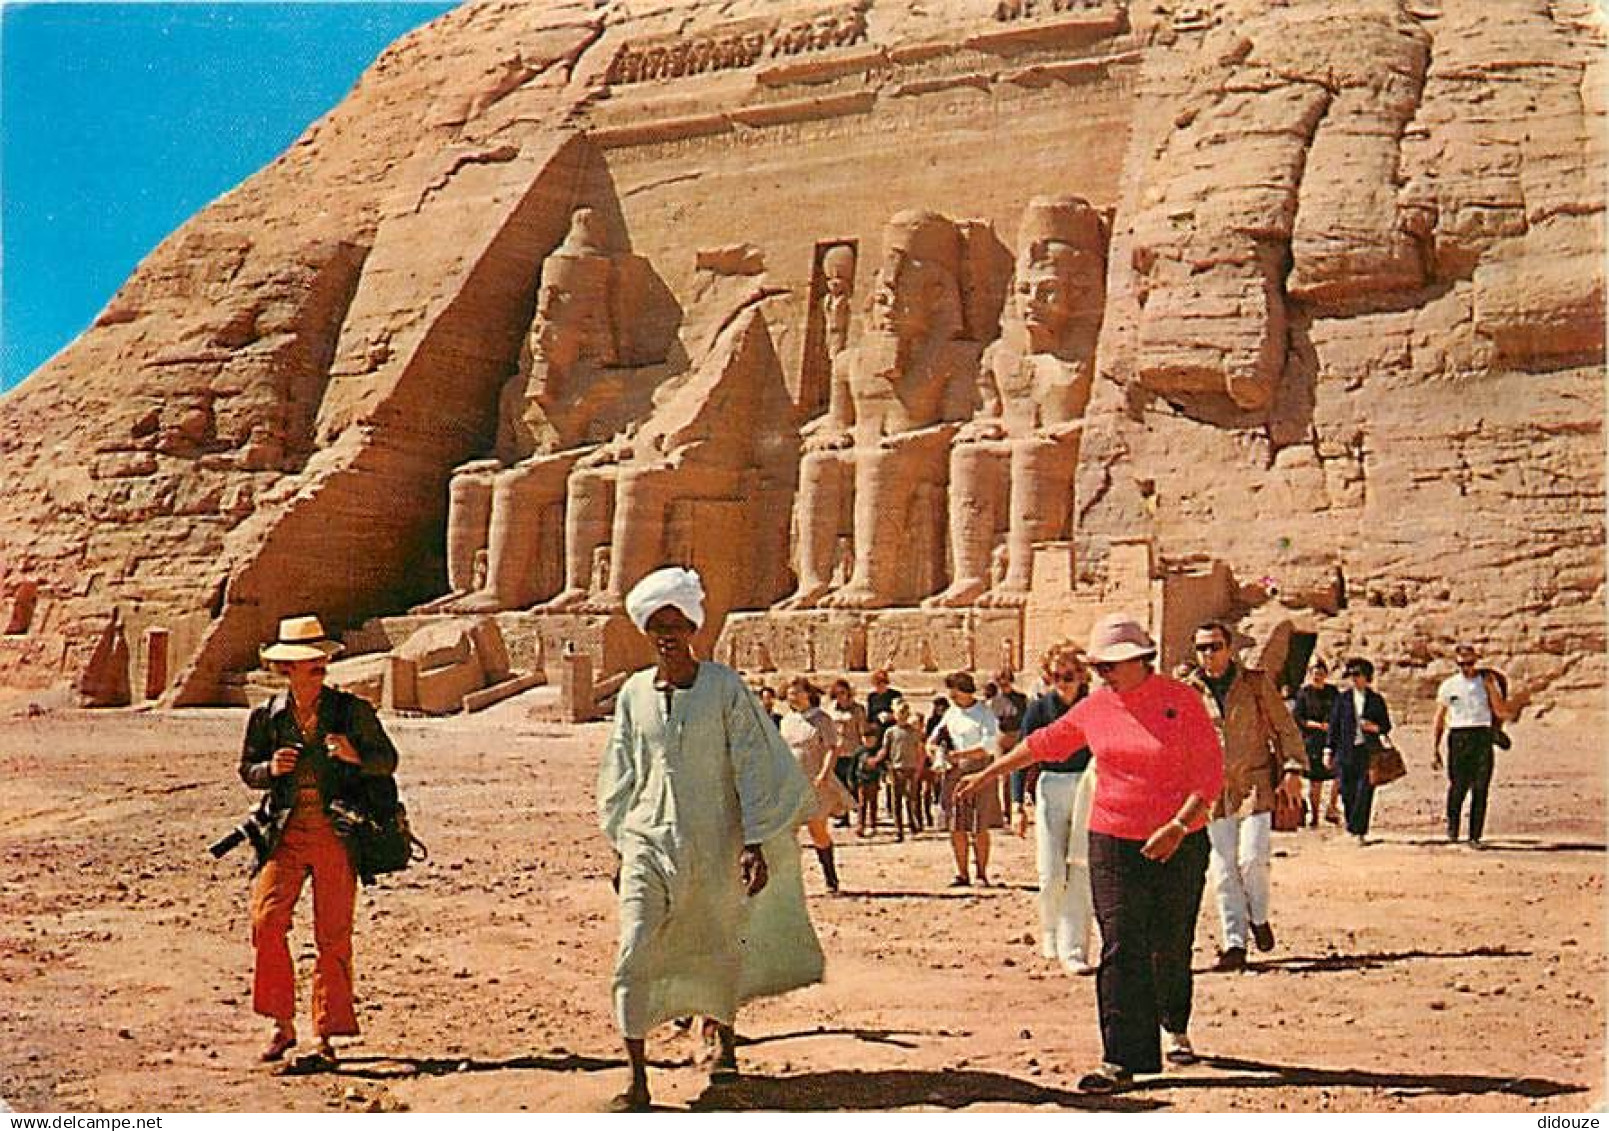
point(1211, 646)
point(1068, 677)
point(1106, 667)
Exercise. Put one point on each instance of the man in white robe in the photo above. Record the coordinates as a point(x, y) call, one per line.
point(701, 798)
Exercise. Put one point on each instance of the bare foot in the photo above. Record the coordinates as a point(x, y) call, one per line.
point(804, 598)
point(961, 593)
point(483, 602)
point(852, 597)
point(564, 602)
point(440, 604)
point(1004, 599)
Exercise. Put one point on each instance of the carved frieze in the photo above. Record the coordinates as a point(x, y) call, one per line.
point(736, 47)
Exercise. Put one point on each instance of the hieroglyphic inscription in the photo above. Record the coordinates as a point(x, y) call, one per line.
point(736, 47)
point(971, 110)
point(1007, 11)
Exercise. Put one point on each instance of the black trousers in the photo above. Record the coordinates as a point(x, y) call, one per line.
point(1357, 795)
point(1147, 912)
point(1469, 771)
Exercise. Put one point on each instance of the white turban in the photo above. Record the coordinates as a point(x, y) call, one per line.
point(669, 586)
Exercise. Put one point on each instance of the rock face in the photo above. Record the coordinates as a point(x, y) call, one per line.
point(924, 331)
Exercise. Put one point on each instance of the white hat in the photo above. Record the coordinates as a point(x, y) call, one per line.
point(1118, 637)
point(300, 638)
point(672, 585)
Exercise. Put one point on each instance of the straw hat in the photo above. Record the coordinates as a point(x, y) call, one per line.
point(1118, 637)
point(300, 638)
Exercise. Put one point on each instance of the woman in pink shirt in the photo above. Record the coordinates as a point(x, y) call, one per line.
point(1161, 764)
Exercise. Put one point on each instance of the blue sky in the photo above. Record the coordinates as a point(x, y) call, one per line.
point(118, 121)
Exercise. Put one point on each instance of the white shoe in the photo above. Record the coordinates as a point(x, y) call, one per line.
point(1077, 966)
point(1176, 1048)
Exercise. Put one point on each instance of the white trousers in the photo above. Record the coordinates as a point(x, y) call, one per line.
point(1061, 837)
point(1240, 872)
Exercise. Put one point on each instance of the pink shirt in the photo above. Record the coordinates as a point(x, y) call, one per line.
point(1153, 747)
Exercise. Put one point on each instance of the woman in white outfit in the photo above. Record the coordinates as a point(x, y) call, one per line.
point(1058, 795)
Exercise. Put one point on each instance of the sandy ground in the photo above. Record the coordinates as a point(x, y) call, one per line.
point(1410, 975)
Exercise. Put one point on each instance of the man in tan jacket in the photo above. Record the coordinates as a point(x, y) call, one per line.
point(1263, 752)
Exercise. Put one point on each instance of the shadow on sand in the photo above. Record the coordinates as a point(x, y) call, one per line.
point(947, 893)
point(1327, 963)
point(889, 1089)
point(870, 1036)
point(1506, 844)
point(406, 1067)
point(1257, 1074)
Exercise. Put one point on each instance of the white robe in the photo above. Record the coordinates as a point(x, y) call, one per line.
point(679, 795)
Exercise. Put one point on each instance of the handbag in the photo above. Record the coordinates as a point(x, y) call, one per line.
point(379, 834)
point(1288, 815)
point(1386, 764)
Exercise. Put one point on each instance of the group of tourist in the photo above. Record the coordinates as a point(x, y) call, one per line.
point(1137, 791)
point(882, 755)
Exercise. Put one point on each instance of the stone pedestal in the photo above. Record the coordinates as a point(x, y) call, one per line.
point(836, 641)
point(575, 687)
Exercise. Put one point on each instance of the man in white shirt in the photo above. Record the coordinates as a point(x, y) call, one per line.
point(1469, 705)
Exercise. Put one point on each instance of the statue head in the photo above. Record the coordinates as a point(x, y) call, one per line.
point(838, 270)
point(573, 307)
point(586, 235)
point(1061, 269)
point(916, 293)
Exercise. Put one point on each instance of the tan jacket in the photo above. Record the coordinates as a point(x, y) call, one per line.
point(1260, 740)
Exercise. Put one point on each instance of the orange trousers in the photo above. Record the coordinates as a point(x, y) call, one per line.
point(309, 845)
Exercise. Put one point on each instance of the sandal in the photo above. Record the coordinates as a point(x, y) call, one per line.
point(1105, 1080)
point(960, 882)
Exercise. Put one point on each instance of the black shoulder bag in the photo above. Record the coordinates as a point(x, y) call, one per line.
point(377, 829)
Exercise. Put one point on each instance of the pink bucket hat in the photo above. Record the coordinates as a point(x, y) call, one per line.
point(1118, 637)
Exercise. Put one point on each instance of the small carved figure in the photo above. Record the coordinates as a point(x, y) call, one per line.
point(838, 276)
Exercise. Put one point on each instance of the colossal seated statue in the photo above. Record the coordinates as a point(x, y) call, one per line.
point(706, 444)
point(571, 391)
point(895, 401)
point(1012, 468)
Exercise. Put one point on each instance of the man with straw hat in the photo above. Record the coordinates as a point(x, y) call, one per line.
point(308, 746)
point(700, 796)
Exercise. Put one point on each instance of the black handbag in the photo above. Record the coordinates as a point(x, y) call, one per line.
point(378, 833)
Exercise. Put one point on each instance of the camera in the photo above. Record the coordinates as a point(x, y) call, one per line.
point(258, 827)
